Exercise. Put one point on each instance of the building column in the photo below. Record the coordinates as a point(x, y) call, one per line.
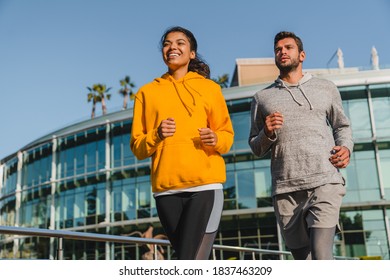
point(18, 195)
point(53, 182)
point(387, 228)
point(108, 186)
point(2, 166)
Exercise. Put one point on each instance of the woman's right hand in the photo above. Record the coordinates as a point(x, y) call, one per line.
point(166, 128)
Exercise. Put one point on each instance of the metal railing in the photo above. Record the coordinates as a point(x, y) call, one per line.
point(64, 234)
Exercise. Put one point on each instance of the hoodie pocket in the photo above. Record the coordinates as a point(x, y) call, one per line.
point(305, 157)
point(181, 162)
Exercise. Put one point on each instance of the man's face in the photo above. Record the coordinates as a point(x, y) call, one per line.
point(287, 55)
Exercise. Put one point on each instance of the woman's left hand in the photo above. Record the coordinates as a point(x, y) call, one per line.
point(208, 137)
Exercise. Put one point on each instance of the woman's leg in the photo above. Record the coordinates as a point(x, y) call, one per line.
point(169, 210)
point(207, 242)
point(191, 220)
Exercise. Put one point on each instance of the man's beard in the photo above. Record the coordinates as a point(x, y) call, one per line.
point(286, 68)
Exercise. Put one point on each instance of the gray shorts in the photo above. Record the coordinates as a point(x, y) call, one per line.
point(299, 211)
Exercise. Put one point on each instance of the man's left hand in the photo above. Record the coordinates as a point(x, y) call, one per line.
point(340, 156)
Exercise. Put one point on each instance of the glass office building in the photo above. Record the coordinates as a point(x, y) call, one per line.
point(85, 178)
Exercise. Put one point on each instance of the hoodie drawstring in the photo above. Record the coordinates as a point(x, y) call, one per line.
point(182, 88)
point(189, 109)
point(292, 94)
point(304, 94)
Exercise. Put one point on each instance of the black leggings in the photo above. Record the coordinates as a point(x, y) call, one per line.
point(191, 220)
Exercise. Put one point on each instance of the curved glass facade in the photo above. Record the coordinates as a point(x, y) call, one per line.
point(85, 178)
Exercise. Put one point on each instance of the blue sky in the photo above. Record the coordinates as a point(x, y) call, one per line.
point(51, 50)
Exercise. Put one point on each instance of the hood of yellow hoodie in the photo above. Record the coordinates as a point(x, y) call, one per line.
point(184, 88)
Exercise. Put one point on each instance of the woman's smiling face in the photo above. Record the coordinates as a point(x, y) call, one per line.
point(177, 51)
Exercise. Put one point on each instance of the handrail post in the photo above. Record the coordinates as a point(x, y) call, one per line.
point(60, 253)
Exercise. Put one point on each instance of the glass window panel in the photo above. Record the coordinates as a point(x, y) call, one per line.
point(144, 197)
point(230, 186)
point(61, 165)
point(372, 215)
point(381, 107)
point(27, 215)
point(60, 199)
point(362, 177)
point(69, 162)
point(358, 113)
point(91, 198)
point(241, 124)
point(376, 242)
point(10, 176)
point(79, 208)
point(263, 180)
point(43, 169)
point(69, 204)
point(27, 178)
point(129, 201)
point(243, 164)
point(116, 205)
point(35, 211)
point(128, 155)
point(37, 168)
point(382, 116)
point(101, 199)
point(365, 161)
point(91, 156)
point(246, 189)
point(384, 156)
point(42, 211)
point(144, 193)
point(374, 225)
point(79, 157)
point(101, 154)
point(117, 199)
point(49, 161)
point(229, 190)
point(117, 151)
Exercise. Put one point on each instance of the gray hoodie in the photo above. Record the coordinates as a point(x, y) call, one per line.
point(314, 122)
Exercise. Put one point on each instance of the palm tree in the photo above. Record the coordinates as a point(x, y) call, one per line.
point(98, 93)
point(95, 98)
point(223, 80)
point(126, 90)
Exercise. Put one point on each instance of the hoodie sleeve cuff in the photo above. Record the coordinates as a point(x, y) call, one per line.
point(272, 138)
point(156, 137)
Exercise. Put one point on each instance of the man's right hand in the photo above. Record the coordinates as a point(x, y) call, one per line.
point(272, 122)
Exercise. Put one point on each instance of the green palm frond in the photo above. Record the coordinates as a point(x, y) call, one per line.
point(223, 80)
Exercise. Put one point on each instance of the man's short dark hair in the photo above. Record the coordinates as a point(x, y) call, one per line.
point(285, 34)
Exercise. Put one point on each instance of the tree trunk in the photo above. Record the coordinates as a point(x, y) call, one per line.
point(125, 102)
point(93, 109)
point(104, 108)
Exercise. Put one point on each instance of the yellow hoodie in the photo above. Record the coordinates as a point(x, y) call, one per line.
point(181, 161)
